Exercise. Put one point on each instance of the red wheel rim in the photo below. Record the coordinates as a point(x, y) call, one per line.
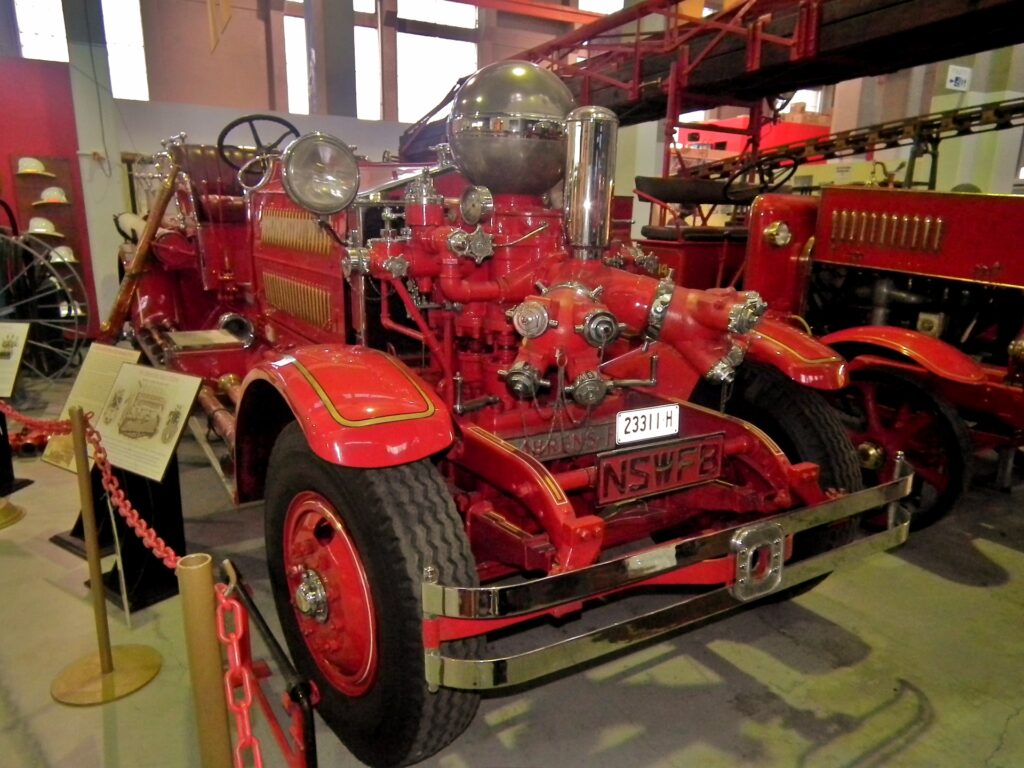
point(894, 424)
point(330, 594)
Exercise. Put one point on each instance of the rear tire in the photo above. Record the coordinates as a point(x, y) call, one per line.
point(355, 625)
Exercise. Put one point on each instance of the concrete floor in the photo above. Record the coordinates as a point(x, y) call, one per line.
point(913, 658)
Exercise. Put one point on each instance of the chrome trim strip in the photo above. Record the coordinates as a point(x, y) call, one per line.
point(501, 672)
point(549, 591)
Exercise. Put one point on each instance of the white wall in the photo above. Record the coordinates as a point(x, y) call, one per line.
point(640, 152)
point(145, 123)
point(103, 186)
point(988, 159)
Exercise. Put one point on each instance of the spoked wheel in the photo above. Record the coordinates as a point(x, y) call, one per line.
point(346, 550)
point(38, 286)
point(885, 413)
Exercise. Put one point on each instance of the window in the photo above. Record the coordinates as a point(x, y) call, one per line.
point(41, 29)
point(126, 54)
point(439, 12)
point(364, 6)
point(811, 98)
point(296, 64)
point(601, 6)
point(698, 116)
point(368, 90)
point(427, 69)
point(1020, 168)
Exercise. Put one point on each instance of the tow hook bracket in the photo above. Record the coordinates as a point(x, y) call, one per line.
point(759, 550)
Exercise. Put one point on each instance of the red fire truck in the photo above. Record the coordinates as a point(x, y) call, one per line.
point(915, 289)
point(465, 418)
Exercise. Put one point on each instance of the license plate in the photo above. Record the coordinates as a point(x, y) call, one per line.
point(658, 468)
point(646, 424)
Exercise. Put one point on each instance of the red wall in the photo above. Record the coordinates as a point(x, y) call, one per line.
point(39, 120)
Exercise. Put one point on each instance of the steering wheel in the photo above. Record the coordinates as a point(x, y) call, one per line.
point(770, 174)
point(253, 122)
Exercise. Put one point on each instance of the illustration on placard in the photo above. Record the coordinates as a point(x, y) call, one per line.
point(114, 407)
point(8, 345)
point(171, 427)
point(91, 391)
point(142, 416)
point(13, 338)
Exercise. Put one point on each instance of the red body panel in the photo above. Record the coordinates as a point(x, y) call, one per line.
point(958, 236)
point(358, 407)
point(797, 354)
point(891, 254)
point(226, 255)
point(703, 264)
point(931, 354)
point(780, 273)
point(298, 270)
point(448, 314)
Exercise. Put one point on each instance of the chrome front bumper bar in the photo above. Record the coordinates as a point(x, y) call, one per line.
point(766, 536)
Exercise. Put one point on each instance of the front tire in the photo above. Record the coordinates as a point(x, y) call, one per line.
point(799, 420)
point(346, 549)
point(803, 425)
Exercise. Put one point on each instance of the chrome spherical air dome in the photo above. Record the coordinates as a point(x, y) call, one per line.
point(507, 127)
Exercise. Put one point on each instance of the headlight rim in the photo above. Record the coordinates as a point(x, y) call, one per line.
point(288, 173)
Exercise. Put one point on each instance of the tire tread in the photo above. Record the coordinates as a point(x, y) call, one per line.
point(405, 515)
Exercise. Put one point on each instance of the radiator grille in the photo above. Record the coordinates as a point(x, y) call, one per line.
point(888, 230)
point(304, 301)
point(295, 230)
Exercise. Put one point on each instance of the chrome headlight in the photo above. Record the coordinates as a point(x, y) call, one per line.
point(320, 173)
point(778, 234)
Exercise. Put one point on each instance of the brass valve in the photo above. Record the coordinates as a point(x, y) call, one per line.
point(523, 380)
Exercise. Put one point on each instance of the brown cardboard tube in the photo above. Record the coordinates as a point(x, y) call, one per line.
point(198, 604)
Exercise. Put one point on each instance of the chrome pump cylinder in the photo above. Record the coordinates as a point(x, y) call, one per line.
point(589, 170)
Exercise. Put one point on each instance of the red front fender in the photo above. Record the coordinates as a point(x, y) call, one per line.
point(801, 357)
point(357, 407)
point(930, 353)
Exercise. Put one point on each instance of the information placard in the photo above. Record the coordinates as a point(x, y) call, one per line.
point(142, 419)
point(91, 391)
point(12, 346)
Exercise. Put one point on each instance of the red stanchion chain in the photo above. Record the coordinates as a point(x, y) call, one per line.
point(239, 680)
point(124, 507)
point(49, 427)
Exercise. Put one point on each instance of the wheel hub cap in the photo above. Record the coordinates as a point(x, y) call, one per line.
point(311, 597)
point(330, 594)
point(871, 455)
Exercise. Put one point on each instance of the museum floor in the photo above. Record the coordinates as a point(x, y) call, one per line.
point(913, 658)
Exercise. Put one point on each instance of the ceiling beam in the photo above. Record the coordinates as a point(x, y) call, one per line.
point(537, 10)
